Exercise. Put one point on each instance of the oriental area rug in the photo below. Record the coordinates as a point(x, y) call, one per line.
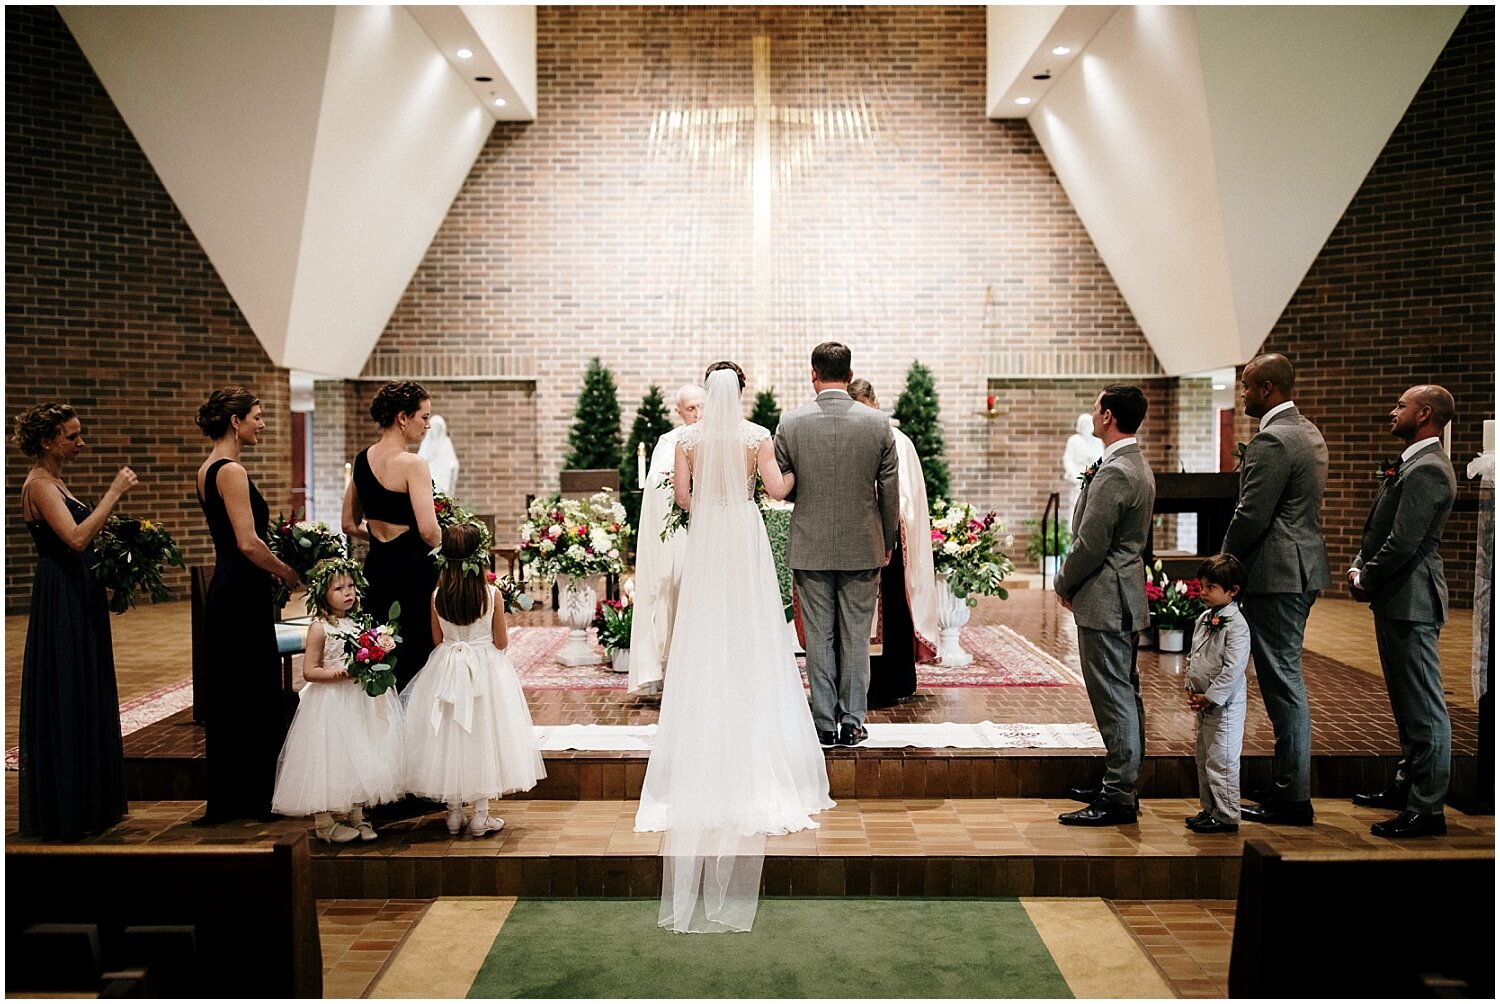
point(884, 948)
point(1002, 658)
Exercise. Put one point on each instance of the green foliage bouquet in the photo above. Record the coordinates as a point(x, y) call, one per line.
point(967, 547)
point(300, 543)
point(132, 554)
point(612, 620)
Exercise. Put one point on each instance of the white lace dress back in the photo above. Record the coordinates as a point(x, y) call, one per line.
point(344, 748)
point(468, 730)
point(735, 756)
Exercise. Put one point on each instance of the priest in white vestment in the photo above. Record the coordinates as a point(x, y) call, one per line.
point(908, 589)
point(658, 563)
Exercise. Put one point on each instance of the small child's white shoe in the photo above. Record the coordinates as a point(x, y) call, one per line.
point(483, 824)
point(455, 820)
point(331, 831)
point(358, 821)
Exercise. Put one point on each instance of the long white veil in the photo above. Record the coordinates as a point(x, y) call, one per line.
point(711, 869)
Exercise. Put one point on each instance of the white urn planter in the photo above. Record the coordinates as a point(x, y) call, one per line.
point(619, 660)
point(1169, 639)
point(953, 614)
point(575, 608)
point(1049, 570)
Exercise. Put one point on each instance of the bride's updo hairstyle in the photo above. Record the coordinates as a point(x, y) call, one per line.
point(35, 426)
point(725, 364)
point(397, 398)
point(460, 596)
point(229, 402)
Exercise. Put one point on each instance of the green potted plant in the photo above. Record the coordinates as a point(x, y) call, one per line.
point(1047, 549)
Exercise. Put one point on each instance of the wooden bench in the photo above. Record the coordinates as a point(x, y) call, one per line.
point(198, 921)
point(1351, 924)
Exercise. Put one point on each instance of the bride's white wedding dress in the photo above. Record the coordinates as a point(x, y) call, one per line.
point(736, 755)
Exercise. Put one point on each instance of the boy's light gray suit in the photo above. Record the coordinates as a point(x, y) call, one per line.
point(1399, 566)
point(1216, 669)
point(1277, 534)
point(846, 519)
point(1104, 578)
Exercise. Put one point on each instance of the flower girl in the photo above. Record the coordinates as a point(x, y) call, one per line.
point(344, 749)
point(469, 736)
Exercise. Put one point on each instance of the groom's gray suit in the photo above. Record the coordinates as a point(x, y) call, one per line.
point(1104, 579)
point(846, 518)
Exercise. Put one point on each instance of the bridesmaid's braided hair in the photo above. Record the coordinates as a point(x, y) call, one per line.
point(37, 425)
point(399, 397)
point(228, 402)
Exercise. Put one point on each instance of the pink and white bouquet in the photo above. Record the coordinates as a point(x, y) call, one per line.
point(967, 548)
point(372, 651)
point(574, 537)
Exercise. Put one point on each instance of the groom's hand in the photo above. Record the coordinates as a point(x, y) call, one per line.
point(1062, 602)
point(887, 560)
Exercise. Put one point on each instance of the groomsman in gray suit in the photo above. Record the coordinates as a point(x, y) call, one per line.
point(843, 530)
point(1103, 581)
point(1277, 534)
point(1399, 572)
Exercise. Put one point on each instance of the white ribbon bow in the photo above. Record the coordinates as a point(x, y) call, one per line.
point(459, 691)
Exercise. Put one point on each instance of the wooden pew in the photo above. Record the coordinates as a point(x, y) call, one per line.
point(1351, 924)
point(203, 921)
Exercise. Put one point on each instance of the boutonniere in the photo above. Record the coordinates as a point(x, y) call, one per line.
point(1239, 455)
point(1388, 470)
point(1089, 472)
point(1216, 621)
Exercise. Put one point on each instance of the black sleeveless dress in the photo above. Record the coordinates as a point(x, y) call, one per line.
point(244, 715)
point(399, 571)
point(72, 759)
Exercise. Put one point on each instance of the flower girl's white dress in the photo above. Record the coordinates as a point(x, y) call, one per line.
point(468, 730)
point(344, 747)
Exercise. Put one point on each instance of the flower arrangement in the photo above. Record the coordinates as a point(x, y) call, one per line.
point(1174, 603)
point(677, 516)
point(967, 548)
point(132, 554)
point(512, 592)
point(574, 537)
point(372, 651)
point(302, 544)
point(612, 620)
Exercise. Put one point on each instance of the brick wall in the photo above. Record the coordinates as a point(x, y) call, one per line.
point(111, 304)
point(902, 222)
point(1404, 293)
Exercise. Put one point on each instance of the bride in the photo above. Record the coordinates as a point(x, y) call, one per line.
point(736, 756)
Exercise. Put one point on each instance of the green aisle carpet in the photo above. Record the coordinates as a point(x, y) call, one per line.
point(798, 948)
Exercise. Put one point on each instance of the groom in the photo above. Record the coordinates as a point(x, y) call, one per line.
point(843, 530)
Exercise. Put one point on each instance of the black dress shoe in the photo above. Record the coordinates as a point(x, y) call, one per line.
point(1212, 825)
point(1086, 793)
point(1279, 813)
point(827, 738)
point(1391, 798)
point(1412, 824)
point(851, 734)
point(1200, 817)
point(1100, 813)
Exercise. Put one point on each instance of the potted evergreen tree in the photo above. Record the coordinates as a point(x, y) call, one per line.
point(651, 423)
point(595, 443)
point(917, 413)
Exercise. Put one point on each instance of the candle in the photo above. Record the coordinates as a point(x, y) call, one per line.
point(348, 475)
point(1489, 435)
point(640, 465)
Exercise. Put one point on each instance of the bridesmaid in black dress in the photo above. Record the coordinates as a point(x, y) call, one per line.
point(245, 718)
point(72, 759)
point(389, 503)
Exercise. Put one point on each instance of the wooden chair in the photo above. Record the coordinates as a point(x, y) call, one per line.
point(191, 921)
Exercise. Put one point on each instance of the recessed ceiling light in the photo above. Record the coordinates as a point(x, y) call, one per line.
point(499, 102)
point(1023, 101)
point(464, 53)
point(1060, 50)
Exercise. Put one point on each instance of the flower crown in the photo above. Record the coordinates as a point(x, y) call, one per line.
point(478, 561)
point(324, 572)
